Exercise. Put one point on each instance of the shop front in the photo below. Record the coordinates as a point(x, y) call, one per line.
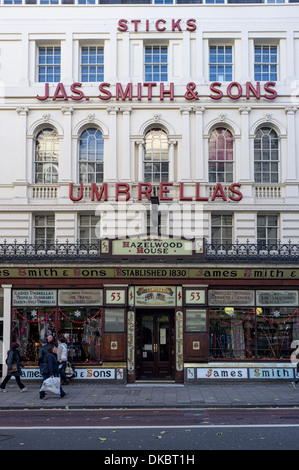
point(132, 324)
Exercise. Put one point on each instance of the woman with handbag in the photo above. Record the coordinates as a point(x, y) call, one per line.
point(62, 360)
point(14, 365)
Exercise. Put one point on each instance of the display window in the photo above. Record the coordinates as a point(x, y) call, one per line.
point(29, 326)
point(276, 329)
point(253, 333)
point(232, 333)
point(81, 327)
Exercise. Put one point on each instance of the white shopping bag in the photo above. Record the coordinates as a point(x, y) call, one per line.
point(51, 385)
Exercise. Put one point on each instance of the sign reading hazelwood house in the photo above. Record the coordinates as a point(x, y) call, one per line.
point(151, 247)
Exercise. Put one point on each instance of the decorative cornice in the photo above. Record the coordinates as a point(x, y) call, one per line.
point(290, 109)
point(22, 111)
point(67, 110)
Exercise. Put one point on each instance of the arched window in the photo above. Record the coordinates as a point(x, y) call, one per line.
point(91, 156)
point(156, 158)
point(266, 156)
point(221, 156)
point(46, 156)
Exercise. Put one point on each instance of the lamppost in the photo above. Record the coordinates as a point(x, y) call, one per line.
point(155, 218)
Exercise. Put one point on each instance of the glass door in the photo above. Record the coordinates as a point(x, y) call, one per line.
point(154, 345)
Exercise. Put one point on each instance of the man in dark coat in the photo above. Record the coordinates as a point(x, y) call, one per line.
point(42, 355)
point(50, 369)
point(14, 366)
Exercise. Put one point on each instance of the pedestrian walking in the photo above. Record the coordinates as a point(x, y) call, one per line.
point(294, 358)
point(62, 359)
point(51, 370)
point(42, 355)
point(14, 366)
point(51, 341)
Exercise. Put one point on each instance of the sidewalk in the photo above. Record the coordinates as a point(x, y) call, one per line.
point(206, 395)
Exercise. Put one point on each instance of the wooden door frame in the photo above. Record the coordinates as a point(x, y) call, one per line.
point(155, 311)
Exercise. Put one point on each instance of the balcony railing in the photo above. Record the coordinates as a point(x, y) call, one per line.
point(136, 2)
point(14, 252)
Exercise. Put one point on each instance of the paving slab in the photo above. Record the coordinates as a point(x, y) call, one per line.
point(205, 395)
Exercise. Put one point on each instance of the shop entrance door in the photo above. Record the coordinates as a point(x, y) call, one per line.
point(155, 330)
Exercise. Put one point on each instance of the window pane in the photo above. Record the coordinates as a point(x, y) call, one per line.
point(92, 64)
point(155, 63)
point(221, 63)
point(196, 320)
point(91, 150)
point(114, 319)
point(46, 152)
point(49, 61)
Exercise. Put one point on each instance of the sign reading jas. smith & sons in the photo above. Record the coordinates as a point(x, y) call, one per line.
point(151, 247)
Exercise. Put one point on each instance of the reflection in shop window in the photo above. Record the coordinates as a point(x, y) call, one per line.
point(232, 333)
point(81, 327)
point(114, 319)
point(247, 333)
point(196, 320)
point(29, 326)
point(277, 327)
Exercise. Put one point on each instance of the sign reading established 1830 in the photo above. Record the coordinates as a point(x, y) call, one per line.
point(151, 247)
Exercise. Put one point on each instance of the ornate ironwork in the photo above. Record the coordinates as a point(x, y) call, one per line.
point(15, 252)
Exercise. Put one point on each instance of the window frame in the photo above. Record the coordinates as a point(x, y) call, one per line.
point(45, 239)
point(217, 63)
point(267, 240)
point(152, 162)
point(222, 226)
point(270, 161)
point(150, 76)
point(49, 161)
point(99, 51)
point(218, 163)
point(94, 161)
point(47, 77)
point(90, 227)
point(269, 45)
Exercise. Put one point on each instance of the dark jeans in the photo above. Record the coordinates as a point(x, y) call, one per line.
point(61, 371)
point(42, 394)
point(7, 379)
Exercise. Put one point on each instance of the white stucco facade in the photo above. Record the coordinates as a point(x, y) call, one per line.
point(219, 132)
point(124, 122)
